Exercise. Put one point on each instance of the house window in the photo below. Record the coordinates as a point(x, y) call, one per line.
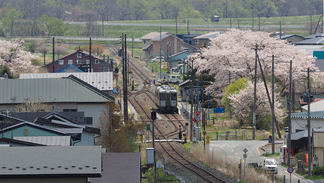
point(79, 55)
point(61, 62)
point(79, 62)
point(26, 132)
point(197, 41)
point(97, 61)
point(70, 62)
point(144, 41)
point(88, 120)
point(88, 61)
point(169, 43)
point(69, 110)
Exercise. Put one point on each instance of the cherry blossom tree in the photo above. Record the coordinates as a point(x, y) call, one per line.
point(242, 103)
point(234, 52)
point(18, 60)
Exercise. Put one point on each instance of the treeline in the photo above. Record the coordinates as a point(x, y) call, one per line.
point(45, 17)
point(116, 10)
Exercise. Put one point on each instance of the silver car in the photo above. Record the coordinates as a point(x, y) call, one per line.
point(270, 166)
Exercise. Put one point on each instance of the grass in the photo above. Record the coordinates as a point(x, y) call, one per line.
point(270, 154)
point(229, 166)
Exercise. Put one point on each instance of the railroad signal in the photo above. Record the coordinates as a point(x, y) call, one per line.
point(116, 70)
point(153, 115)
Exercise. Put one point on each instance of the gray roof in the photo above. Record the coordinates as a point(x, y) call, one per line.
point(291, 35)
point(313, 36)
point(83, 161)
point(47, 140)
point(299, 135)
point(313, 115)
point(319, 63)
point(100, 80)
point(185, 82)
point(314, 41)
point(120, 167)
point(208, 35)
point(51, 90)
point(163, 36)
point(32, 125)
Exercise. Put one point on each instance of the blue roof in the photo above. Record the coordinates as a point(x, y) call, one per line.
point(66, 67)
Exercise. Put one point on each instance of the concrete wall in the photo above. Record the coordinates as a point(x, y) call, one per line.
point(92, 110)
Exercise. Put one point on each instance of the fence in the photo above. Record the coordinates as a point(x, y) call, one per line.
point(230, 135)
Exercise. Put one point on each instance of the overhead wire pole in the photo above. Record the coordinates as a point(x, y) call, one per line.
point(53, 55)
point(289, 114)
point(125, 81)
point(192, 99)
point(254, 100)
point(160, 53)
point(272, 108)
point(309, 127)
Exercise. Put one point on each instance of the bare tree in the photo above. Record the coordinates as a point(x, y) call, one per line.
point(32, 105)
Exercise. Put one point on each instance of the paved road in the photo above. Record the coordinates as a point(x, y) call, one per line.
point(235, 149)
point(211, 25)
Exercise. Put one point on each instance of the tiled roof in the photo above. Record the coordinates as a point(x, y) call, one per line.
point(304, 115)
point(46, 161)
point(314, 41)
point(148, 47)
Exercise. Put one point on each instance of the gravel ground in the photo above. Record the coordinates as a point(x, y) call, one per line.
point(182, 173)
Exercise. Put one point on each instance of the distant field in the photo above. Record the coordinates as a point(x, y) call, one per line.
point(290, 25)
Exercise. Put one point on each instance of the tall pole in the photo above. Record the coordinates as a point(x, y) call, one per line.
point(125, 82)
point(252, 20)
point(160, 53)
point(90, 54)
point(53, 55)
point(230, 18)
point(259, 21)
point(289, 115)
point(272, 106)
point(192, 99)
point(154, 151)
point(309, 128)
point(176, 26)
point(254, 100)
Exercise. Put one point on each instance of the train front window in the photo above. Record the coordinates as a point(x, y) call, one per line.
point(162, 96)
point(173, 96)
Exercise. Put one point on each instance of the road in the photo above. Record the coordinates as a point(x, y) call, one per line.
point(235, 149)
point(212, 25)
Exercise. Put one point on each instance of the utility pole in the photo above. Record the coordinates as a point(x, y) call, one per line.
point(125, 81)
point(90, 55)
point(176, 25)
point(272, 109)
point(309, 128)
point(53, 55)
point(289, 114)
point(192, 99)
point(160, 54)
point(254, 100)
point(259, 21)
point(252, 20)
point(280, 29)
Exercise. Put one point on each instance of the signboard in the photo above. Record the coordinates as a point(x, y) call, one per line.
point(148, 127)
point(204, 133)
point(198, 119)
point(244, 156)
point(207, 137)
point(245, 150)
point(290, 169)
point(197, 112)
point(219, 109)
point(207, 142)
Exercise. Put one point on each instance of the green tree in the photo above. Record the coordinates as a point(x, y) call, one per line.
point(52, 25)
point(10, 18)
point(231, 89)
point(5, 69)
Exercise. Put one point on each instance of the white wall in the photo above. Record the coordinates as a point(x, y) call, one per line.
point(92, 110)
point(301, 124)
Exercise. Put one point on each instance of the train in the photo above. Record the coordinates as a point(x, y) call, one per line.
point(166, 99)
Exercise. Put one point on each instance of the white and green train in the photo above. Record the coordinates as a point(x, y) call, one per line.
point(166, 98)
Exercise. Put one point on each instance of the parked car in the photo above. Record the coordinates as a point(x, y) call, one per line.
point(157, 59)
point(270, 165)
point(254, 165)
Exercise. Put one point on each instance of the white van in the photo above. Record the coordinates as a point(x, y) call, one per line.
point(174, 79)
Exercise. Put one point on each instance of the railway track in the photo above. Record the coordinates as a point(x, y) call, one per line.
point(161, 134)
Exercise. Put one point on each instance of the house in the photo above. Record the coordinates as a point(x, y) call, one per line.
point(29, 129)
point(178, 58)
point(80, 59)
point(299, 120)
point(317, 105)
point(46, 140)
point(101, 80)
point(292, 38)
point(36, 164)
point(170, 45)
point(120, 167)
point(318, 149)
point(69, 68)
point(204, 40)
point(188, 47)
point(147, 43)
point(83, 135)
point(188, 38)
point(63, 94)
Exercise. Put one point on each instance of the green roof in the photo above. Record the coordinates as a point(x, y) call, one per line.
point(70, 89)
